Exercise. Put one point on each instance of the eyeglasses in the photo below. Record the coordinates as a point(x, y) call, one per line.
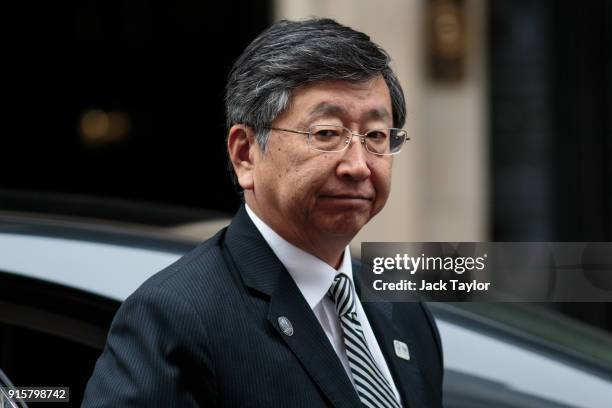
point(332, 138)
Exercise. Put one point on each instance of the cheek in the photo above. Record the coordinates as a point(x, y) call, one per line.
point(381, 178)
point(302, 187)
point(293, 178)
point(309, 173)
point(288, 177)
point(305, 182)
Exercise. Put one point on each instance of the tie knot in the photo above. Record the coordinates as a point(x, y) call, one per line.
point(342, 292)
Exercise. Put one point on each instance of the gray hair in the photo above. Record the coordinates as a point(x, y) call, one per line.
point(290, 54)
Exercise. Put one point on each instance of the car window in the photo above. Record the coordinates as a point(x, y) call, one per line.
point(562, 332)
point(482, 354)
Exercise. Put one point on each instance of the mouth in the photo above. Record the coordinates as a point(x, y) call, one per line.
point(348, 197)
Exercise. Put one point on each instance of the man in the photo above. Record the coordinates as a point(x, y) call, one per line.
point(266, 313)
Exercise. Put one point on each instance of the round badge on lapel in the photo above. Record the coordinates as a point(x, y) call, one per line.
point(285, 325)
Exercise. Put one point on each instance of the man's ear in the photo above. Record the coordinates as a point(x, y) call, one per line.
point(242, 150)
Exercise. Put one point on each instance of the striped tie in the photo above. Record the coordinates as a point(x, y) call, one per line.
point(371, 385)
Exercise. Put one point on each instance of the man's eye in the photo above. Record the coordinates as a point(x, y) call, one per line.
point(377, 135)
point(326, 133)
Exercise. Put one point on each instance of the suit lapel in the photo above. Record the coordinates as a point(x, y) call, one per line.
point(261, 270)
point(310, 344)
point(406, 373)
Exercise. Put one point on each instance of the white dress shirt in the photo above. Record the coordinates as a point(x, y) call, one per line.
point(313, 278)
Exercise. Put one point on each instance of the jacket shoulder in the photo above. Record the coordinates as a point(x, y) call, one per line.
point(199, 266)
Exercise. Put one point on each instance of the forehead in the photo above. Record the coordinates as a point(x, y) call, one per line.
point(353, 101)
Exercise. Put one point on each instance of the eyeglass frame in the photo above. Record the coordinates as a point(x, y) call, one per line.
point(362, 137)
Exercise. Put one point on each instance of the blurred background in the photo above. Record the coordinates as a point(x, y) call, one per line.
point(509, 112)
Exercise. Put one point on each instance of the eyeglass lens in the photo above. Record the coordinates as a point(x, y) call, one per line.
point(330, 138)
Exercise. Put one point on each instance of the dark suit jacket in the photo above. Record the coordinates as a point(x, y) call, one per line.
point(205, 332)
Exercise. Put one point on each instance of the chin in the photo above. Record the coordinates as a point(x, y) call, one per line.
point(344, 225)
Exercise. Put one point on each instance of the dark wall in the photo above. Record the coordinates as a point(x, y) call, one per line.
point(550, 76)
point(551, 125)
point(521, 61)
point(161, 65)
point(581, 78)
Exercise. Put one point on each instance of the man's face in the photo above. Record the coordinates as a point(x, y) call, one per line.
point(308, 195)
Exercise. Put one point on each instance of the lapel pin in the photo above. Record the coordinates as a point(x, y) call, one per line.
point(285, 325)
point(401, 349)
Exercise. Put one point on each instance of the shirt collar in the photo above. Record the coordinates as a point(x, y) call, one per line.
point(312, 276)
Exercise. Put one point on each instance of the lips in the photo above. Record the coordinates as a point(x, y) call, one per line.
point(348, 197)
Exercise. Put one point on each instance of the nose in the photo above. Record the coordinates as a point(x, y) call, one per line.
point(354, 161)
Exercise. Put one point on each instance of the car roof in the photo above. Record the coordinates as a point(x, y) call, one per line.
point(96, 208)
point(109, 260)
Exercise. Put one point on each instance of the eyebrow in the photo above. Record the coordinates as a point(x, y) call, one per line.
point(330, 109)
